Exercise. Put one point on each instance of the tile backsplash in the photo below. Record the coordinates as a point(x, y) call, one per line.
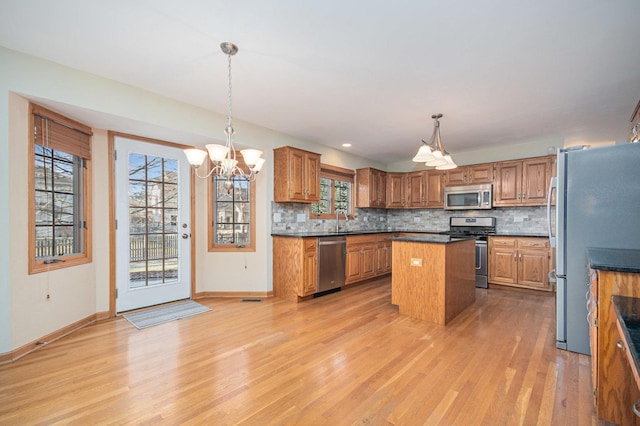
point(295, 218)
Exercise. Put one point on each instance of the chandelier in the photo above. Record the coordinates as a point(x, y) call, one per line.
point(223, 157)
point(432, 153)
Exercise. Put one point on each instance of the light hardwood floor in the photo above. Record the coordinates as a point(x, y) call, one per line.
point(345, 358)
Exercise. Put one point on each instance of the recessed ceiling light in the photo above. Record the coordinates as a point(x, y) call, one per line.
point(346, 145)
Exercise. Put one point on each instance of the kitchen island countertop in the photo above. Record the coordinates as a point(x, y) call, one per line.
point(617, 260)
point(432, 239)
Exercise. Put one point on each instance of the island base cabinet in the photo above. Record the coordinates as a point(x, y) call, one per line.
point(433, 282)
point(615, 388)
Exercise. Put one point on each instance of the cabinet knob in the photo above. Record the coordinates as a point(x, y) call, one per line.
point(636, 409)
point(621, 345)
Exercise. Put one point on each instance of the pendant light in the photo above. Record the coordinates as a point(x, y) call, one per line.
point(223, 157)
point(432, 153)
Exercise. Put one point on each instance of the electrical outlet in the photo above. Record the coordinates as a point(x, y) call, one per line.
point(518, 218)
point(277, 217)
point(416, 219)
point(302, 217)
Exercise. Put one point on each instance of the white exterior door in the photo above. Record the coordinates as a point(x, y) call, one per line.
point(153, 233)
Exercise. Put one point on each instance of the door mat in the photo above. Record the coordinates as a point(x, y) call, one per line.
point(162, 314)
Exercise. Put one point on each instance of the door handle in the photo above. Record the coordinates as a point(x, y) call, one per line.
point(185, 236)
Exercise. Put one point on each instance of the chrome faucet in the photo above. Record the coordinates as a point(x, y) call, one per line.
point(346, 219)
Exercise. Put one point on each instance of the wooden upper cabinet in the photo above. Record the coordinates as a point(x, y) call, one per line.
point(536, 176)
point(508, 183)
point(435, 189)
point(396, 190)
point(457, 176)
point(296, 176)
point(417, 189)
point(473, 174)
point(480, 173)
point(371, 188)
point(523, 182)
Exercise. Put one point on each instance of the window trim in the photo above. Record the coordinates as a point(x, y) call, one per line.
point(212, 247)
point(328, 171)
point(39, 265)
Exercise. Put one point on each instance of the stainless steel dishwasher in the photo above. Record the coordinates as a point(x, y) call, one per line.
point(331, 262)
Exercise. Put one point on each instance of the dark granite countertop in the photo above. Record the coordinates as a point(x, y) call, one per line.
point(618, 260)
point(431, 239)
point(331, 234)
point(628, 313)
point(519, 234)
point(383, 231)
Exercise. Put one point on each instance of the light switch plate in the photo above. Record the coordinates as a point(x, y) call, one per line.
point(277, 217)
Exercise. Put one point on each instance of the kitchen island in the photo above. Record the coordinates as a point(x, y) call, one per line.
point(433, 276)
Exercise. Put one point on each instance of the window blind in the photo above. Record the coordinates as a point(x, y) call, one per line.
point(54, 131)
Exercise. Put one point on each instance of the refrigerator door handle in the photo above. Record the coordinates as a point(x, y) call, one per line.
point(552, 185)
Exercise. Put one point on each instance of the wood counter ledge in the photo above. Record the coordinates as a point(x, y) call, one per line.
point(433, 276)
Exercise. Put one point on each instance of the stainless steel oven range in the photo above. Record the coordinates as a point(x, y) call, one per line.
point(480, 228)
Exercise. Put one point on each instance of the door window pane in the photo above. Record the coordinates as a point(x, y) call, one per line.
point(153, 220)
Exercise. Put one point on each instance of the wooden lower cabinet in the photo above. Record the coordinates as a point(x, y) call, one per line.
point(615, 389)
point(368, 256)
point(297, 276)
point(520, 262)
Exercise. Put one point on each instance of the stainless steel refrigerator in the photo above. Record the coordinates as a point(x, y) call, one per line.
point(597, 205)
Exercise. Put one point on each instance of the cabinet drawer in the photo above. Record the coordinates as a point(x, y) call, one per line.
point(533, 243)
point(310, 244)
point(503, 242)
point(361, 239)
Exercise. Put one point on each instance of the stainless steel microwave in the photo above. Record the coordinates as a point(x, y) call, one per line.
point(468, 197)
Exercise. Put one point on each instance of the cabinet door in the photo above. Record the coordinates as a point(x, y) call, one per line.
point(353, 264)
point(297, 183)
point(503, 268)
point(536, 174)
point(368, 260)
point(480, 173)
point(395, 190)
point(456, 176)
point(435, 190)
point(312, 177)
point(417, 189)
point(508, 183)
point(381, 260)
point(387, 257)
point(310, 273)
point(533, 268)
point(382, 189)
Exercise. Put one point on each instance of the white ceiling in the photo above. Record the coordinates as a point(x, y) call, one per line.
point(366, 72)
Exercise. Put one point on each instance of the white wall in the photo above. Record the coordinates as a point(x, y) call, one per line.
point(5, 288)
point(25, 312)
